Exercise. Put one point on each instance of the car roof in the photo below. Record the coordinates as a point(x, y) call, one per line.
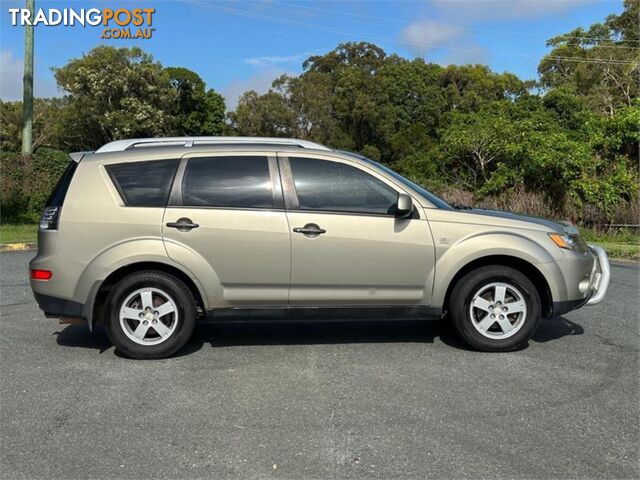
point(176, 147)
point(188, 142)
point(168, 152)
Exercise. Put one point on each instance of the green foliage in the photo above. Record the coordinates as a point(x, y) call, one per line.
point(263, 115)
point(619, 243)
point(122, 93)
point(469, 87)
point(26, 183)
point(114, 93)
point(196, 111)
point(509, 145)
point(607, 75)
point(46, 124)
point(10, 125)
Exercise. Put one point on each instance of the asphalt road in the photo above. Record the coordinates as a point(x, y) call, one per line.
point(392, 399)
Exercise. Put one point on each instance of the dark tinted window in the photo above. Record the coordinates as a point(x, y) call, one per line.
point(228, 182)
point(144, 184)
point(57, 195)
point(437, 201)
point(324, 185)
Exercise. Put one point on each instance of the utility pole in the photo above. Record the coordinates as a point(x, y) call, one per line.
point(27, 86)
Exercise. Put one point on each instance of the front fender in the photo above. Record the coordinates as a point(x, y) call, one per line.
point(477, 246)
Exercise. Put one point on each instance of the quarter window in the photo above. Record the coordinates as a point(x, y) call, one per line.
point(144, 184)
point(241, 182)
point(338, 187)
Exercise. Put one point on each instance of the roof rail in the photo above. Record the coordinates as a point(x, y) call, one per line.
point(121, 145)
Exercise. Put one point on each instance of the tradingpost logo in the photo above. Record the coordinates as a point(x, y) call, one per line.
point(119, 23)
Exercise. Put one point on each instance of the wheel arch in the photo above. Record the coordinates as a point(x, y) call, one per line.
point(523, 266)
point(98, 310)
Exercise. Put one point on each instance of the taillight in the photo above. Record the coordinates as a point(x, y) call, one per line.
point(41, 274)
point(49, 218)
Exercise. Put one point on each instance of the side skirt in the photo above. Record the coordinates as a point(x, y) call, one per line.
point(321, 313)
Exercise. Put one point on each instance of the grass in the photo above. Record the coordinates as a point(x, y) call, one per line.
point(24, 233)
point(620, 244)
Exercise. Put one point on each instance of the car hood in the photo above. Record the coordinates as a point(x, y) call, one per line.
point(557, 226)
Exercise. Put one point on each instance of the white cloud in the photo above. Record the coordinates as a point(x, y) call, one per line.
point(11, 72)
point(455, 27)
point(10, 76)
point(422, 36)
point(271, 61)
point(260, 82)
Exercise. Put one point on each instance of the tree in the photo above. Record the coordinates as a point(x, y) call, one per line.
point(469, 87)
point(114, 93)
point(356, 97)
point(10, 126)
point(411, 104)
point(473, 144)
point(363, 56)
point(46, 124)
point(196, 111)
point(263, 115)
point(309, 99)
point(600, 64)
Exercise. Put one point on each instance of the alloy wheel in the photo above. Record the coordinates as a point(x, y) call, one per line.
point(498, 310)
point(148, 316)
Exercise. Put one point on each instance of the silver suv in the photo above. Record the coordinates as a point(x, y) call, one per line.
point(148, 236)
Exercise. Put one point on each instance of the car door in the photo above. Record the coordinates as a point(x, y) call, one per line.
point(347, 246)
point(226, 216)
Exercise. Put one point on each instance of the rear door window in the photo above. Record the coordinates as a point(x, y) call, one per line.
point(144, 184)
point(233, 182)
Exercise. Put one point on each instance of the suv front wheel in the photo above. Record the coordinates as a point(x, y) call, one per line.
point(495, 308)
point(151, 315)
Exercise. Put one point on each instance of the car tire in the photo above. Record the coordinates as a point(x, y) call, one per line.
point(151, 315)
point(495, 308)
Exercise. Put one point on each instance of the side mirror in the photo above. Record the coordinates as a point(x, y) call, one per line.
point(404, 207)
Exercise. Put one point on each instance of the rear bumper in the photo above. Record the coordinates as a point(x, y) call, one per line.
point(601, 275)
point(58, 307)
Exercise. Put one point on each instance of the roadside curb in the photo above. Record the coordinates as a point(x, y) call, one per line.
point(14, 247)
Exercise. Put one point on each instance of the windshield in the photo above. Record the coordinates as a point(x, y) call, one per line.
point(437, 201)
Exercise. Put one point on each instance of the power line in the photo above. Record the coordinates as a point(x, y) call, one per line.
point(444, 26)
point(309, 26)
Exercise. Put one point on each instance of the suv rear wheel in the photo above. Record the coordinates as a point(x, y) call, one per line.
point(151, 315)
point(495, 308)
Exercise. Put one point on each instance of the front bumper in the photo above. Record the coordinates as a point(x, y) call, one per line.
point(601, 275)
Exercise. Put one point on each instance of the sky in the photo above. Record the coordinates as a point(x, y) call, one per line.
point(239, 45)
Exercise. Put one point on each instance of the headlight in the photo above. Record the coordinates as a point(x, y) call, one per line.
point(569, 241)
point(562, 240)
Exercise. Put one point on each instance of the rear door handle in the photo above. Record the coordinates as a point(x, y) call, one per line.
point(183, 224)
point(310, 229)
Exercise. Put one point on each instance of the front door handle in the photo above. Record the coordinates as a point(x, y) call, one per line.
point(183, 224)
point(310, 229)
